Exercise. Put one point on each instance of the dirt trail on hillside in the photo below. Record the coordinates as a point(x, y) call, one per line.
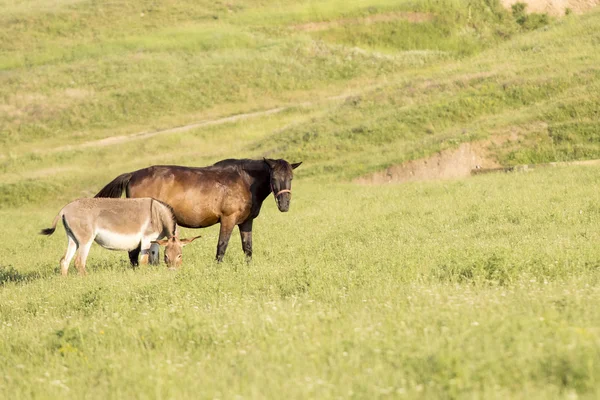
point(109, 141)
point(113, 140)
point(555, 7)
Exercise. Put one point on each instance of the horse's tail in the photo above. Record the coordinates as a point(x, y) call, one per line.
point(50, 231)
point(116, 187)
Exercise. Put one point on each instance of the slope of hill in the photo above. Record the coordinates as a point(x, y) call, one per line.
point(542, 87)
point(83, 70)
point(352, 105)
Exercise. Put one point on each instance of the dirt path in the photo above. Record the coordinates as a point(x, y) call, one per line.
point(109, 141)
point(113, 140)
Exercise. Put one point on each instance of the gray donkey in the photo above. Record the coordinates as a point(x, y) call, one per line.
point(118, 224)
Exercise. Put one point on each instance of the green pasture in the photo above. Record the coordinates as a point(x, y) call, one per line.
point(486, 287)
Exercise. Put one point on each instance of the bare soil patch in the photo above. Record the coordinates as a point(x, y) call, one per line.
point(446, 164)
point(78, 93)
point(415, 17)
point(461, 162)
point(466, 160)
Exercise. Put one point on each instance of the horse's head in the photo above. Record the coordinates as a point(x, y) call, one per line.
point(281, 175)
point(173, 250)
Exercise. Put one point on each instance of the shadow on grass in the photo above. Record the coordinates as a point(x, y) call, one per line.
point(111, 265)
point(10, 274)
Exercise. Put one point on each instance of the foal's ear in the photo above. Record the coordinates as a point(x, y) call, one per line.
point(188, 241)
point(296, 165)
point(270, 163)
point(162, 242)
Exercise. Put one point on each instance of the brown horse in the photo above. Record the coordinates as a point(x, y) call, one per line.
point(230, 192)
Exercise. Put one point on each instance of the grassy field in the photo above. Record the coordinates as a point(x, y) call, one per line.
point(481, 288)
point(486, 288)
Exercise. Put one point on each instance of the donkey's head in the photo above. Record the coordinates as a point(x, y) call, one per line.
point(281, 175)
point(173, 250)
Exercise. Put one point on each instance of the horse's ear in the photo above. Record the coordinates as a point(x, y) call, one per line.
point(188, 241)
point(270, 163)
point(162, 242)
point(296, 165)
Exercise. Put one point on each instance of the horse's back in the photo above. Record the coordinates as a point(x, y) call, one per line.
point(185, 175)
point(198, 196)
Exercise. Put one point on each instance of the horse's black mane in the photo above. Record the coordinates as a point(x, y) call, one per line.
point(244, 163)
point(251, 165)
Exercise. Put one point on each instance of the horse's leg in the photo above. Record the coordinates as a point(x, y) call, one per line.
point(246, 234)
point(227, 225)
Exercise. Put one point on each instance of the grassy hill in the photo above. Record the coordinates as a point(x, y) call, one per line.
point(485, 287)
point(364, 86)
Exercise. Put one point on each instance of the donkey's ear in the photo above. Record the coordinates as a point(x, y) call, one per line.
point(296, 165)
point(188, 241)
point(270, 163)
point(162, 242)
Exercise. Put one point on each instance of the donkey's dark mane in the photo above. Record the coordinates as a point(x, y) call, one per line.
point(170, 210)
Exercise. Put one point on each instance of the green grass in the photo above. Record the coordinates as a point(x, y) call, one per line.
point(486, 288)
point(88, 69)
point(406, 100)
point(479, 288)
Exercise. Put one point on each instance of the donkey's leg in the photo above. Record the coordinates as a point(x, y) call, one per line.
point(82, 255)
point(66, 260)
point(246, 234)
point(133, 256)
point(227, 225)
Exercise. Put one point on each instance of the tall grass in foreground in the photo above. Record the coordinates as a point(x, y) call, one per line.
point(478, 288)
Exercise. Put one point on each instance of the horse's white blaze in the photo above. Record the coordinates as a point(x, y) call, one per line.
point(117, 241)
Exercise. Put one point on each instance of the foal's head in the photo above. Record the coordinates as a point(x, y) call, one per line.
point(174, 250)
point(281, 175)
